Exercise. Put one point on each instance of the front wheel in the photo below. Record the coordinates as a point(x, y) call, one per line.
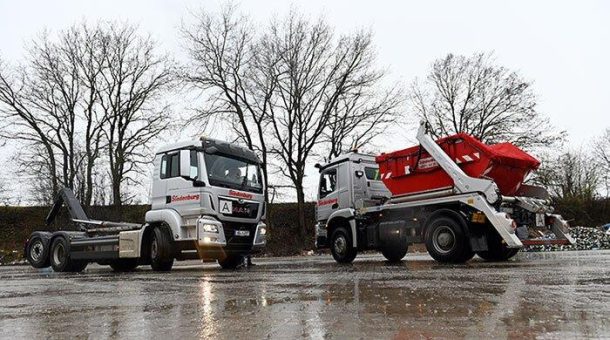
point(341, 246)
point(231, 261)
point(446, 241)
point(161, 257)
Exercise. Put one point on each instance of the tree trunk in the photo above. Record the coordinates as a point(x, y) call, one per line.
point(302, 227)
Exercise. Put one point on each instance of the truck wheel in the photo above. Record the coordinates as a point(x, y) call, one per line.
point(395, 253)
point(341, 246)
point(37, 252)
point(60, 257)
point(231, 261)
point(446, 241)
point(124, 265)
point(497, 250)
point(161, 257)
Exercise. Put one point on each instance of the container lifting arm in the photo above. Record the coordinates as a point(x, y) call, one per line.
point(462, 182)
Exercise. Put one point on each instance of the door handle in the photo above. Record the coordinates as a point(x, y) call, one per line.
point(334, 206)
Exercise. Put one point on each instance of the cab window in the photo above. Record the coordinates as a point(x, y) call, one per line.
point(372, 174)
point(328, 182)
point(170, 165)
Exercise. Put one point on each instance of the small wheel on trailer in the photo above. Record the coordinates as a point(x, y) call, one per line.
point(124, 265)
point(497, 251)
point(60, 258)
point(446, 241)
point(161, 256)
point(37, 252)
point(231, 261)
point(395, 253)
point(341, 246)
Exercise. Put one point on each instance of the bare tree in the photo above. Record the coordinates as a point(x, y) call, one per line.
point(360, 117)
point(226, 66)
point(315, 71)
point(288, 89)
point(574, 174)
point(90, 89)
point(602, 154)
point(39, 107)
point(476, 96)
point(134, 81)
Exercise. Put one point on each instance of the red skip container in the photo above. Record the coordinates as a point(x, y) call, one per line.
point(412, 171)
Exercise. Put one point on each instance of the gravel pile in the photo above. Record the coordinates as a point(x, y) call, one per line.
point(586, 239)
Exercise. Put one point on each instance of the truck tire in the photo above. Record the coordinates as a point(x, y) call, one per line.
point(60, 257)
point(231, 261)
point(395, 253)
point(124, 265)
point(37, 252)
point(446, 241)
point(341, 246)
point(161, 256)
point(497, 251)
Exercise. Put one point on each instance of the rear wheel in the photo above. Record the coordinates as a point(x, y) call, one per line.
point(124, 265)
point(395, 253)
point(446, 241)
point(161, 257)
point(497, 250)
point(231, 261)
point(60, 257)
point(37, 252)
point(341, 246)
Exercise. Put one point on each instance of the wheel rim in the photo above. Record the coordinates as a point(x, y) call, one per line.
point(443, 239)
point(58, 253)
point(36, 251)
point(340, 245)
point(154, 248)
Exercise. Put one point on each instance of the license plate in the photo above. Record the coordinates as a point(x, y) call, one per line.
point(242, 232)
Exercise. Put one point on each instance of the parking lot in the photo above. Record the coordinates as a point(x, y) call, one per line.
point(554, 295)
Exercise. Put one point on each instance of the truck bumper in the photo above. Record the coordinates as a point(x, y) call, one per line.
point(216, 239)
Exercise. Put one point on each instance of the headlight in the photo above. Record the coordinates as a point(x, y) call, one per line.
point(210, 228)
point(263, 231)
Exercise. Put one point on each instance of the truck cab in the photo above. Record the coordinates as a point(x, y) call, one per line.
point(349, 182)
point(211, 195)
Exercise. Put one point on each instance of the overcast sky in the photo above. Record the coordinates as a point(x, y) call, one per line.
point(564, 47)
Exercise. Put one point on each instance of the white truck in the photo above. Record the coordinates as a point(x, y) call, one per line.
point(207, 203)
point(355, 210)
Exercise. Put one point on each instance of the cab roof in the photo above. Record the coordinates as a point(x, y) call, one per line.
point(208, 144)
point(350, 156)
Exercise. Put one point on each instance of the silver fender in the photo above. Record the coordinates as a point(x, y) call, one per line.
point(168, 216)
point(348, 214)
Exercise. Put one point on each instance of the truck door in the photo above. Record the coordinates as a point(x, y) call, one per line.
point(359, 183)
point(328, 200)
point(180, 194)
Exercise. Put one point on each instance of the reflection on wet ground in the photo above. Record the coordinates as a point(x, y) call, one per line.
point(555, 295)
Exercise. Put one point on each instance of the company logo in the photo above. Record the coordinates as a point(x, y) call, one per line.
point(176, 198)
point(240, 194)
point(327, 202)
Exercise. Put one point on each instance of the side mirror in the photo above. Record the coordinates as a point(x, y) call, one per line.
point(359, 173)
point(185, 163)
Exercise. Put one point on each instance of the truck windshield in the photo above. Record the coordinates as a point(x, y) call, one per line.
point(236, 173)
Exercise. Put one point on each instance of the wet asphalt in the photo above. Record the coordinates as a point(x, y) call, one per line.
point(536, 295)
